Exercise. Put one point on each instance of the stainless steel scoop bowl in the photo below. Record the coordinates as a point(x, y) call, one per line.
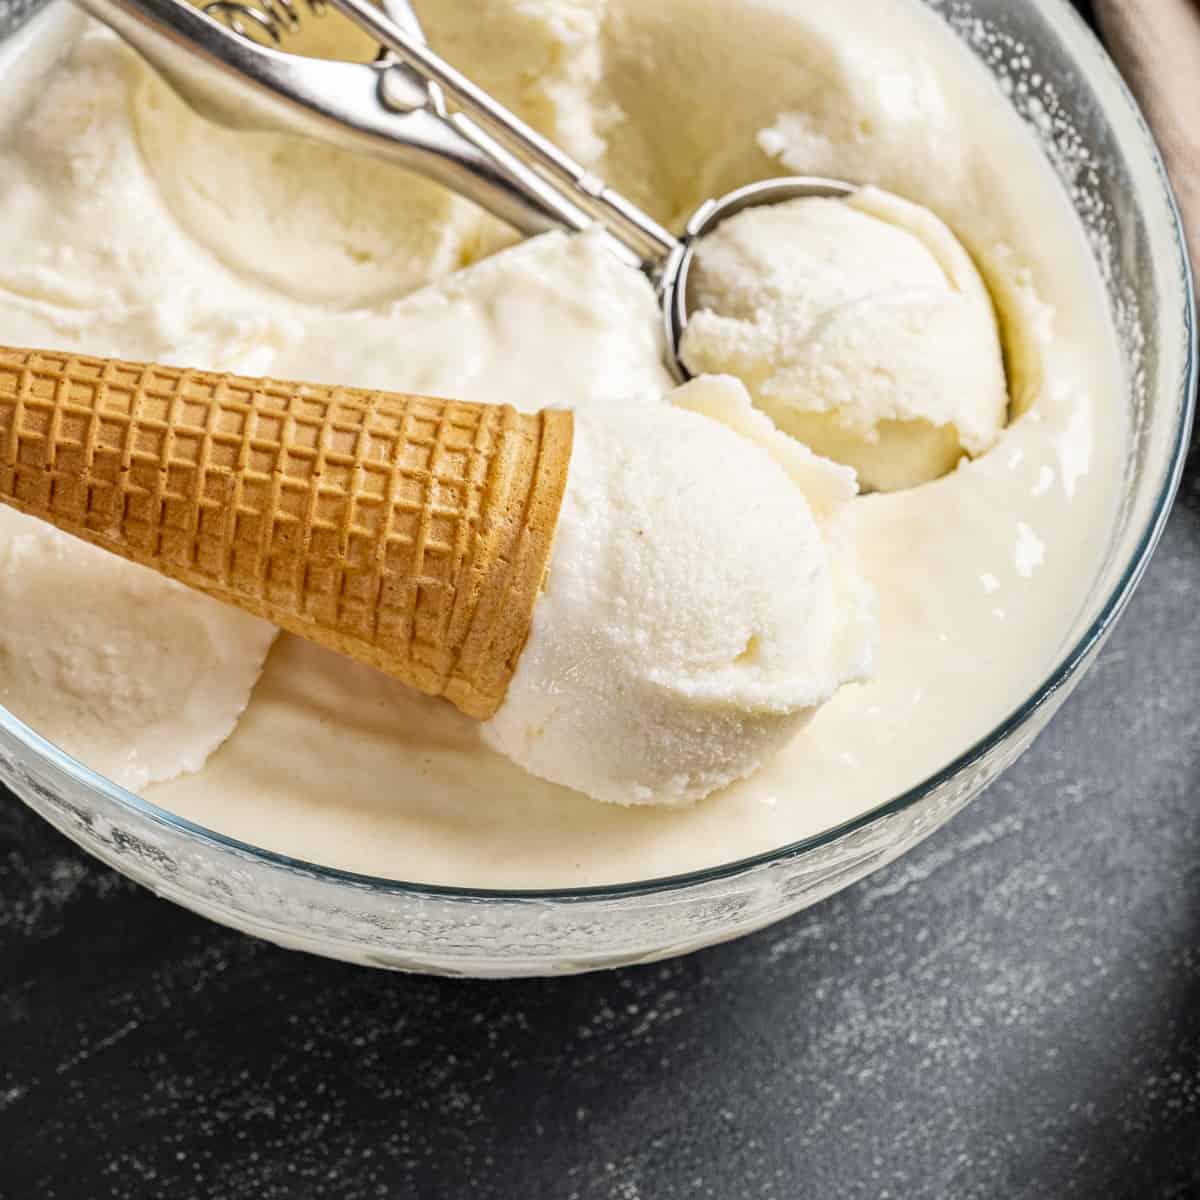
point(673, 273)
point(231, 71)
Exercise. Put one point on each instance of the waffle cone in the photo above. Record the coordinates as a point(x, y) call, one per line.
point(409, 533)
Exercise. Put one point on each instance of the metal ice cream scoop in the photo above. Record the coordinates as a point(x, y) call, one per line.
point(413, 108)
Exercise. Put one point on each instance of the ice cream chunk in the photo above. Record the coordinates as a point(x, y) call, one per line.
point(544, 59)
point(139, 677)
point(369, 232)
point(697, 611)
point(861, 327)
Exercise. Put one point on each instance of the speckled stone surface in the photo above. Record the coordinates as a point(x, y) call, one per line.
point(1011, 1010)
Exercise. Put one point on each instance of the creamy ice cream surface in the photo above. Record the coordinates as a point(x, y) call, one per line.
point(862, 328)
point(138, 676)
point(705, 610)
point(696, 613)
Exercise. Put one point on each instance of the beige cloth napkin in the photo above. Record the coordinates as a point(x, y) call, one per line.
point(1156, 43)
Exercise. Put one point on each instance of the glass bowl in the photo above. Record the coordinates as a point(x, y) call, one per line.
point(1064, 86)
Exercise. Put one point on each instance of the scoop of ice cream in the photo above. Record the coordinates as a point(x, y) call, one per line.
point(139, 677)
point(697, 610)
point(860, 326)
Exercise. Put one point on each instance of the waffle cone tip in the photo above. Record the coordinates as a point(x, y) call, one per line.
point(406, 532)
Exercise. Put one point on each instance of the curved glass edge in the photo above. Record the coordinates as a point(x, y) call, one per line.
point(15, 13)
point(1074, 30)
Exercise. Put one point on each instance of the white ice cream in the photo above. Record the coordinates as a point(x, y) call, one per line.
point(862, 328)
point(108, 243)
point(695, 615)
point(659, 628)
point(140, 677)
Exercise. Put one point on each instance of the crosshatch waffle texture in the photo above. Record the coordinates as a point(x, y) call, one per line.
point(407, 532)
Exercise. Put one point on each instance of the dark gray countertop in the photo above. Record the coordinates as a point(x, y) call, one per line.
point(1011, 1010)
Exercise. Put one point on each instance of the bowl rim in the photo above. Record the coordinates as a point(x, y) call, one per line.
point(1073, 29)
